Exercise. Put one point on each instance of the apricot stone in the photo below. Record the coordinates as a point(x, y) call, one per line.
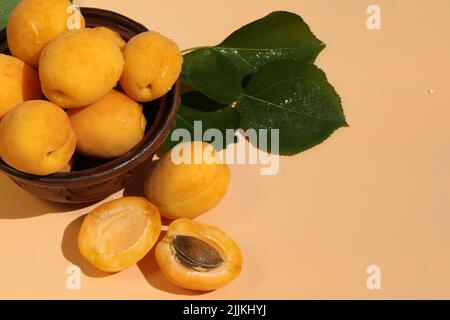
point(109, 127)
point(36, 138)
point(152, 65)
point(79, 67)
point(34, 23)
point(119, 233)
point(190, 188)
point(19, 83)
point(198, 256)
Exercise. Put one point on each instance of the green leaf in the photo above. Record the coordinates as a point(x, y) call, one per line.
point(219, 71)
point(280, 35)
point(6, 6)
point(296, 98)
point(196, 107)
point(212, 74)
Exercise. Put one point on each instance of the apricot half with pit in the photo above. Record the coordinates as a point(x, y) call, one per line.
point(119, 233)
point(188, 188)
point(36, 137)
point(109, 127)
point(198, 256)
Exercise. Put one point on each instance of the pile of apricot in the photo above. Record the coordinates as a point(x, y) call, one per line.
point(59, 95)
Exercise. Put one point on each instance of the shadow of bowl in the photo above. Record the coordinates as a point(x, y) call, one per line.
point(19, 204)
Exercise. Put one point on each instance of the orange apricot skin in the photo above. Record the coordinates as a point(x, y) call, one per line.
point(110, 127)
point(19, 83)
point(79, 67)
point(186, 190)
point(36, 137)
point(152, 65)
point(192, 279)
point(33, 24)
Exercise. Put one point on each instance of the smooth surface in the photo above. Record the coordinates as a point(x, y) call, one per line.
point(375, 193)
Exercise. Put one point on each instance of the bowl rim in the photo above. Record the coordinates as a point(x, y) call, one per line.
point(153, 139)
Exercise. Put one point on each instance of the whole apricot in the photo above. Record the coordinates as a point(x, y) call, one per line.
point(34, 23)
point(79, 67)
point(152, 65)
point(189, 188)
point(115, 36)
point(119, 233)
point(109, 127)
point(36, 138)
point(19, 83)
point(198, 256)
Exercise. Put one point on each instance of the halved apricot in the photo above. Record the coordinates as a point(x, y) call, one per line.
point(119, 233)
point(198, 256)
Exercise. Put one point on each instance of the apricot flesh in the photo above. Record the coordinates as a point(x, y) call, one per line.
point(152, 65)
point(19, 83)
point(33, 24)
point(109, 127)
point(36, 137)
point(79, 67)
point(119, 233)
point(198, 256)
point(187, 190)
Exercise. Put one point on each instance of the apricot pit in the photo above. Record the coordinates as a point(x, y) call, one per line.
point(195, 253)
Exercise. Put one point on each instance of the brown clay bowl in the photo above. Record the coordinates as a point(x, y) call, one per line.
point(94, 180)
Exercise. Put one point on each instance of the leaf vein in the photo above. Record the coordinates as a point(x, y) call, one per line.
point(269, 49)
point(268, 103)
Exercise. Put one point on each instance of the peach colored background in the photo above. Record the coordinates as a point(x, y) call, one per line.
point(375, 193)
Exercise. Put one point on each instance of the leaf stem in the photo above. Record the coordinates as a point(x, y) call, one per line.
point(194, 48)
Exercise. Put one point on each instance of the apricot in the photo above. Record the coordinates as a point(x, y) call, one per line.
point(119, 233)
point(109, 127)
point(190, 188)
point(115, 36)
point(34, 23)
point(79, 67)
point(36, 138)
point(198, 256)
point(70, 166)
point(152, 65)
point(19, 83)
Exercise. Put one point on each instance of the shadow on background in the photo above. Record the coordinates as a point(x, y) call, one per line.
point(136, 188)
point(154, 276)
point(18, 204)
point(69, 248)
